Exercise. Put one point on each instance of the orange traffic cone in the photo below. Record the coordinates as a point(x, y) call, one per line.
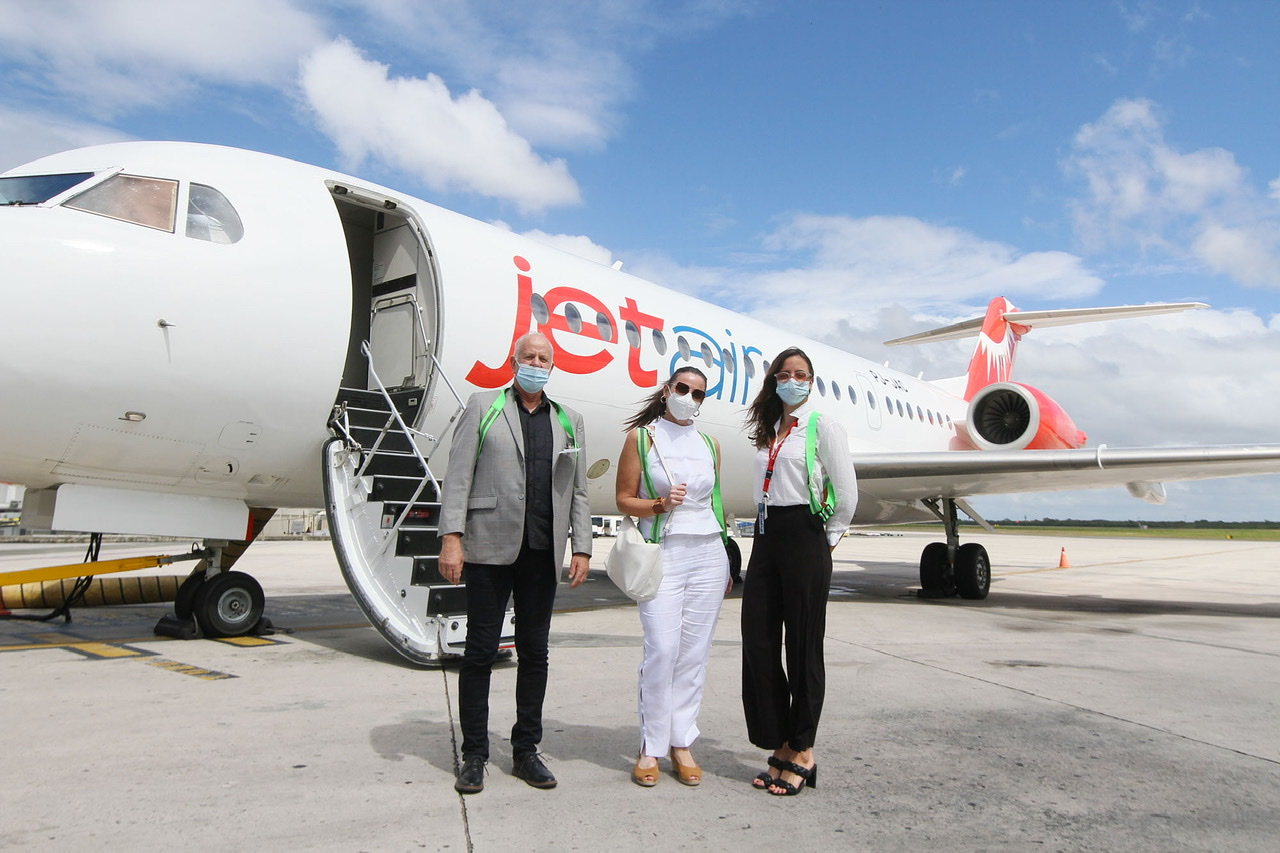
point(1063, 562)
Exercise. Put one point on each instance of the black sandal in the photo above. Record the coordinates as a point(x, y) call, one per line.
point(765, 778)
point(808, 774)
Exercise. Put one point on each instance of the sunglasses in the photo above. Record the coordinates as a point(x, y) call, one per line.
point(682, 389)
point(797, 375)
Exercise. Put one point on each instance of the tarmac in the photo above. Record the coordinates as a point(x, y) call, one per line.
point(1126, 702)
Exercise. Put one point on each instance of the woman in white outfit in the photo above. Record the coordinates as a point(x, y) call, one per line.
point(673, 493)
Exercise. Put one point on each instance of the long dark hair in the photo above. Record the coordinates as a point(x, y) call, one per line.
point(766, 408)
point(654, 405)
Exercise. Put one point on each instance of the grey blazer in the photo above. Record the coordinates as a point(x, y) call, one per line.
point(484, 498)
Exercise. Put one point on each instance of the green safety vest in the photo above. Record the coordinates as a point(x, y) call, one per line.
point(825, 508)
point(717, 505)
point(496, 408)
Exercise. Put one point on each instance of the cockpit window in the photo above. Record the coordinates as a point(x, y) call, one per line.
point(211, 217)
point(145, 201)
point(37, 189)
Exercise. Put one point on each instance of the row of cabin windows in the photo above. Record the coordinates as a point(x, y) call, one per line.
point(604, 326)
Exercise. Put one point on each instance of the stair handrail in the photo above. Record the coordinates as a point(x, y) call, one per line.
point(413, 445)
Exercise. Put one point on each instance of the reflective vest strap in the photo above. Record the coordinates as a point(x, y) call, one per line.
point(824, 509)
point(500, 402)
point(642, 446)
point(717, 504)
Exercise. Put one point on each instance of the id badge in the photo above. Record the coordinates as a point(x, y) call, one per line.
point(760, 511)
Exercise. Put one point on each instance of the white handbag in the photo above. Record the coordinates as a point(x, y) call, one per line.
point(635, 564)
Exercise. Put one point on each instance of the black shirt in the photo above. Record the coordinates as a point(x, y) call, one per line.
point(539, 454)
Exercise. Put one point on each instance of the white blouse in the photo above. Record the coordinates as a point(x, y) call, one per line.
point(689, 458)
point(789, 485)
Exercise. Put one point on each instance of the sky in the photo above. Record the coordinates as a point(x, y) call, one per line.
point(855, 171)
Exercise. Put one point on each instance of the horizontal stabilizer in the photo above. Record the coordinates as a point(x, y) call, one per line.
point(1044, 319)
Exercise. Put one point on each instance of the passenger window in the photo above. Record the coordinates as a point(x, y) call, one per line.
point(633, 335)
point(541, 312)
point(573, 317)
point(835, 389)
point(211, 217)
point(822, 388)
point(605, 326)
point(659, 342)
point(683, 346)
point(853, 395)
point(707, 358)
point(727, 359)
point(143, 201)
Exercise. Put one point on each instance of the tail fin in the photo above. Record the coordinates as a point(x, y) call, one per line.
point(997, 345)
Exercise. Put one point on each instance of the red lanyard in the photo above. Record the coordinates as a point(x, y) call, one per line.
point(773, 455)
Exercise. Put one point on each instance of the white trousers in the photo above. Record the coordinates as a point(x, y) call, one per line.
point(679, 624)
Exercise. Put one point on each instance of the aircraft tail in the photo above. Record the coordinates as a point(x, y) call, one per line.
point(1003, 326)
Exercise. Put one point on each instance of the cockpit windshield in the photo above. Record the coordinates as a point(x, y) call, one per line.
point(37, 189)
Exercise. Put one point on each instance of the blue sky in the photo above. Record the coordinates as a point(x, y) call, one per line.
point(855, 170)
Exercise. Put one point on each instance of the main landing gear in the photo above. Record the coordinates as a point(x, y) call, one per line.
point(949, 568)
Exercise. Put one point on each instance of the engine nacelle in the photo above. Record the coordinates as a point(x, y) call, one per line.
point(1013, 416)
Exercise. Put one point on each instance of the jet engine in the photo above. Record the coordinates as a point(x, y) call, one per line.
point(1013, 416)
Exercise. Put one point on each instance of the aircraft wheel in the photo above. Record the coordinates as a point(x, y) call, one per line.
point(229, 604)
point(735, 559)
point(185, 601)
point(973, 571)
point(933, 569)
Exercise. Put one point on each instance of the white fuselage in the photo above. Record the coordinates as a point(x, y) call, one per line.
point(233, 353)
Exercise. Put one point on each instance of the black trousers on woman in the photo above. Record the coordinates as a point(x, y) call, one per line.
point(788, 580)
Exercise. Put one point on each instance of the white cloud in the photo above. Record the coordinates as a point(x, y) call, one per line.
point(574, 244)
point(417, 126)
point(116, 56)
point(29, 135)
point(851, 265)
point(1198, 208)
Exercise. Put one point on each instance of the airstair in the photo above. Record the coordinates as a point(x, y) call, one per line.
point(383, 503)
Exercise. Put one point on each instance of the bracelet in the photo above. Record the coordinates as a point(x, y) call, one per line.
point(659, 507)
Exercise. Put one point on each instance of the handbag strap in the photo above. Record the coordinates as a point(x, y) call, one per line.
point(645, 438)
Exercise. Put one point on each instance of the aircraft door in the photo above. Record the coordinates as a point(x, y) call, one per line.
point(870, 403)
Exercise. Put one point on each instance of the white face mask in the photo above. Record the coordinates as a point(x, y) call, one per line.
point(682, 406)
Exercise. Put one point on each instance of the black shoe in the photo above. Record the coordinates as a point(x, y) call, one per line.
point(471, 776)
point(531, 769)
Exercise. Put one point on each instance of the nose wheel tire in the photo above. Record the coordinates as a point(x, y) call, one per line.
point(229, 604)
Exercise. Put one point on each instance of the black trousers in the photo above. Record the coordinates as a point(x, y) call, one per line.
point(531, 580)
point(787, 583)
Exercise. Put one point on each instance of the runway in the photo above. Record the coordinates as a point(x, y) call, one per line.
point(1128, 702)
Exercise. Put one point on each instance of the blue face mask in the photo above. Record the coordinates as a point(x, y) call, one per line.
point(792, 392)
point(531, 378)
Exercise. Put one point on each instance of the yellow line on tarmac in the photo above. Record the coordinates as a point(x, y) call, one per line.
point(188, 669)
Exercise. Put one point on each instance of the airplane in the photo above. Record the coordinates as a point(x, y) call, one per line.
point(196, 335)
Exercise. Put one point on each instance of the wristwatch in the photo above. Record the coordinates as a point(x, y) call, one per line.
point(658, 506)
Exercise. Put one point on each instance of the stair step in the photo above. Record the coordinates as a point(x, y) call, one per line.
point(395, 440)
point(417, 543)
point(389, 489)
point(423, 516)
point(396, 464)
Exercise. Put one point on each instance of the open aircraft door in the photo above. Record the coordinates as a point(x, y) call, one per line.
point(382, 495)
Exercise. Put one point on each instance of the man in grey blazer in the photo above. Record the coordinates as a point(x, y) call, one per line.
point(514, 491)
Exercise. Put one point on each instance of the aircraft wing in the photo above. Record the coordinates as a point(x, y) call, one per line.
point(911, 476)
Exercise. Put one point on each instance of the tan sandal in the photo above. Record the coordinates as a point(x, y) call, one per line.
point(688, 774)
point(645, 777)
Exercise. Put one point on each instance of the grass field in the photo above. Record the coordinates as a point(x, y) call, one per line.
point(1253, 533)
point(967, 531)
